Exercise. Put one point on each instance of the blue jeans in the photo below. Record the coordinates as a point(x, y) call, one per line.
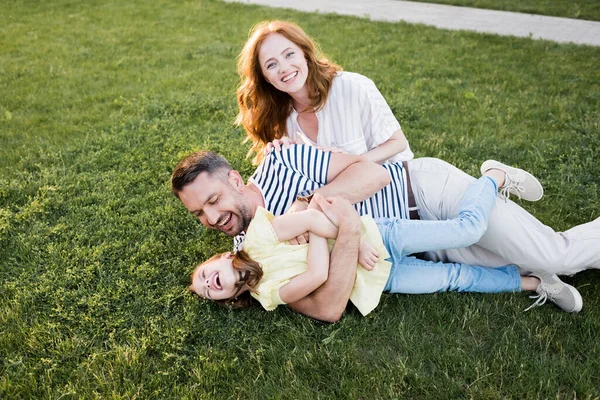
point(411, 275)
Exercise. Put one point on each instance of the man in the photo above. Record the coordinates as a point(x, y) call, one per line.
point(217, 195)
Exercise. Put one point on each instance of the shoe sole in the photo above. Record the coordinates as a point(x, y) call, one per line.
point(578, 299)
point(576, 295)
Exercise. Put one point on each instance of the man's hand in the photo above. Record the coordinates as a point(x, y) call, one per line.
point(338, 210)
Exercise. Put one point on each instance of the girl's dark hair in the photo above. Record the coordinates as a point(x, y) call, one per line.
point(251, 275)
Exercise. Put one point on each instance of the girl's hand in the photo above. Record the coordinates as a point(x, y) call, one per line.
point(276, 144)
point(301, 206)
point(367, 255)
point(298, 206)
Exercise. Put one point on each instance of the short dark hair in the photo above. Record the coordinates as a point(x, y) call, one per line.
point(194, 164)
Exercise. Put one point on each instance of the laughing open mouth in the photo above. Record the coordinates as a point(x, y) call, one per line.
point(290, 76)
point(224, 221)
point(216, 282)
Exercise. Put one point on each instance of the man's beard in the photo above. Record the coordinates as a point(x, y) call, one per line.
point(244, 214)
point(245, 217)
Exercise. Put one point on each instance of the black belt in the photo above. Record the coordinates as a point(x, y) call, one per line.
point(413, 212)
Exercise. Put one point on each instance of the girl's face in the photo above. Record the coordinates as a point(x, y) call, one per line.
point(283, 64)
point(217, 279)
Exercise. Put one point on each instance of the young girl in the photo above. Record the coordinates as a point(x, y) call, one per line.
point(275, 272)
point(290, 90)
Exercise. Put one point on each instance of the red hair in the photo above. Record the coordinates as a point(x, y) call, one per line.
point(264, 109)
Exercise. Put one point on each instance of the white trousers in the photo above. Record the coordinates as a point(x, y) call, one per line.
point(513, 236)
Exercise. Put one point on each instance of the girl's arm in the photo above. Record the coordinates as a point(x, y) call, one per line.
point(397, 143)
point(289, 226)
point(316, 273)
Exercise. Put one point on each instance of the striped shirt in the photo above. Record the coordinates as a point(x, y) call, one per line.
point(284, 174)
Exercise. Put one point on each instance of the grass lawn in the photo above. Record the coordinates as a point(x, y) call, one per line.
point(579, 9)
point(98, 101)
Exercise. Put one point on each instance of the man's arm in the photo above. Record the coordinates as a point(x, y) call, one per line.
point(329, 301)
point(354, 178)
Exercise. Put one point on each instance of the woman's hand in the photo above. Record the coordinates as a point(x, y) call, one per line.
point(276, 144)
point(330, 149)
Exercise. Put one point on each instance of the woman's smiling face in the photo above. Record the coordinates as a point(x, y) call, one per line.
point(217, 279)
point(283, 64)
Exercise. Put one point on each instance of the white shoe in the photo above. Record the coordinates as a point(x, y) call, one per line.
point(518, 182)
point(563, 295)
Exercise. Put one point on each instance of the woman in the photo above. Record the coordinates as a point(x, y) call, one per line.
point(289, 89)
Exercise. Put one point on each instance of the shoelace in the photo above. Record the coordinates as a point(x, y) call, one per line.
point(546, 294)
point(511, 185)
point(541, 300)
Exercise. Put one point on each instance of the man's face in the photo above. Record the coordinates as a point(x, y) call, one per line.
point(217, 201)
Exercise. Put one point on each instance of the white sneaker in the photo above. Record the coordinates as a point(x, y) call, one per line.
point(563, 295)
point(518, 182)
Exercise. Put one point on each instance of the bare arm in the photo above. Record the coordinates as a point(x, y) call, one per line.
point(288, 226)
point(397, 143)
point(329, 301)
point(316, 273)
point(354, 178)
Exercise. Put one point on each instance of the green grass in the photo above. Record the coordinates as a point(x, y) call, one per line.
point(579, 9)
point(98, 101)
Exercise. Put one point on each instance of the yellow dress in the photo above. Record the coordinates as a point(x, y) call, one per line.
point(282, 261)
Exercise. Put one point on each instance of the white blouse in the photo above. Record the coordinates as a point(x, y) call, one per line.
point(356, 118)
